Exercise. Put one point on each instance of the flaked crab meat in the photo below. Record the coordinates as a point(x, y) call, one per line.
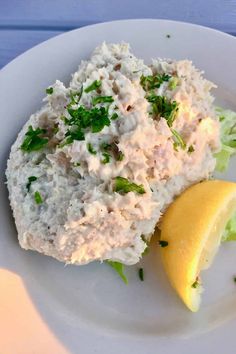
point(108, 154)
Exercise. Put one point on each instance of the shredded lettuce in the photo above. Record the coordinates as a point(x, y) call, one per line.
point(227, 120)
point(119, 268)
point(230, 230)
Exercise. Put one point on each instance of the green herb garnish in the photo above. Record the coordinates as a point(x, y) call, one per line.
point(196, 284)
point(163, 107)
point(64, 119)
point(71, 135)
point(114, 150)
point(75, 97)
point(114, 116)
point(94, 86)
point(91, 149)
point(140, 274)
point(95, 119)
point(33, 140)
point(235, 279)
point(191, 149)
point(49, 90)
point(119, 268)
point(151, 82)
point(30, 180)
point(120, 156)
point(178, 140)
point(163, 243)
point(106, 158)
point(37, 197)
point(105, 146)
point(100, 120)
point(55, 129)
point(102, 99)
point(123, 185)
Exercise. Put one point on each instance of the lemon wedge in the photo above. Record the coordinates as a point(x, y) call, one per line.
point(191, 231)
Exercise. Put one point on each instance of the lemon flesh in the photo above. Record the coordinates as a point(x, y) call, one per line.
point(193, 226)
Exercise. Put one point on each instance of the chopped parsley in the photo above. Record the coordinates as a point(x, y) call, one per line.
point(114, 116)
point(100, 120)
point(91, 149)
point(196, 284)
point(163, 243)
point(38, 198)
point(94, 86)
point(119, 268)
point(163, 107)
point(75, 97)
point(71, 135)
point(123, 185)
point(105, 146)
point(140, 274)
point(106, 158)
point(151, 82)
point(102, 99)
point(30, 180)
point(120, 156)
point(114, 150)
point(95, 119)
point(235, 279)
point(178, 141)
point(55, 129)
point(49, 90)
point(191, 149)
point(81, 118)
point(33, 139)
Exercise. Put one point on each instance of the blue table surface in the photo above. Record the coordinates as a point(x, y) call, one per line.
point(25, 23)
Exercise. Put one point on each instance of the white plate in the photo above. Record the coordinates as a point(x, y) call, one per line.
point(48, 308)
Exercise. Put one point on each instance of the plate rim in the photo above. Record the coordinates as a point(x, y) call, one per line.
point(108, 23)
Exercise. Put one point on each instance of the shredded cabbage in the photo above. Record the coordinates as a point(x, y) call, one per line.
point(227, 120)
point(230, 230)
point(119, 268)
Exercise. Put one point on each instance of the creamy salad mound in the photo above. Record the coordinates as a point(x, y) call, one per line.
point(91, 173)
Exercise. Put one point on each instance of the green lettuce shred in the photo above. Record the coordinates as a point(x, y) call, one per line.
point(119, 268)
point(227, 120)
point(230, 230)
